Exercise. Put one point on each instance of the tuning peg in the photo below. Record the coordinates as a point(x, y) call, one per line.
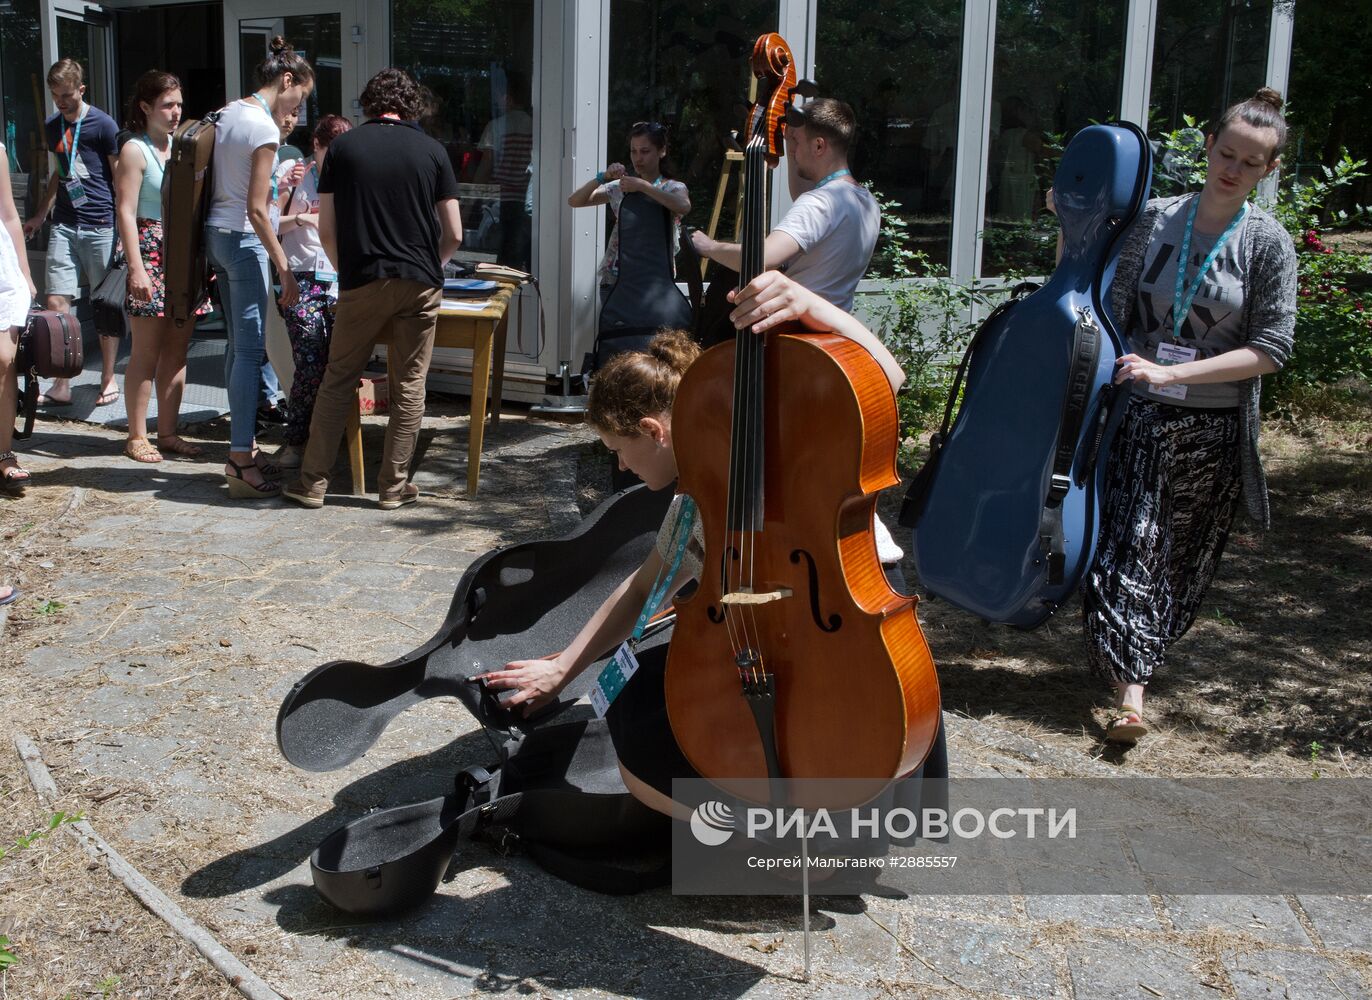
point(806, 88)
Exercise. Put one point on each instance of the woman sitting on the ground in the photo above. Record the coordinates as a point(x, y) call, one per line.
point(309, 322)
point(158, 354)
point(16, 292)
point(631, 409)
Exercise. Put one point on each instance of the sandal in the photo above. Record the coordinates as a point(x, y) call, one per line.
point(107, 397)
point(178, 445)
point(265, 465)
point(15, 478)
point(10, 597)
point(241, 489)
point(1126, 726)
point(141, 450)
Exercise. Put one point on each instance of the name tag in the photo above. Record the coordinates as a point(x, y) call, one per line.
point(324, 272)
point(274, 216)
point(612, 679)
point(76, 191)
point(1172, 354)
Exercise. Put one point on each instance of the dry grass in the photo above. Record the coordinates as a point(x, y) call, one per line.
point(75, 930)
point(1273, 677)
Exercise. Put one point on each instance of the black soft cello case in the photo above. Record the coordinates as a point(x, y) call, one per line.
point(555, 789)
point(645, 299)
point(1005, 511)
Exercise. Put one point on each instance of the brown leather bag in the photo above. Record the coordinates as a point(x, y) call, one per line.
point(186, 187)
point(49, 347)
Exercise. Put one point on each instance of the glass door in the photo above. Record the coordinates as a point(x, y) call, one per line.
point(315, 28)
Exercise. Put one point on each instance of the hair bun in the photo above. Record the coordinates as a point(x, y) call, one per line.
point(1266, 95)
point(675, 349)
point(279, 45)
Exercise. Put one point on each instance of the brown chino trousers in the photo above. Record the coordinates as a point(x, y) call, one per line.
point(406, 314)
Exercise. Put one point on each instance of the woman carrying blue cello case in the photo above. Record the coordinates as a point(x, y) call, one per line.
point(1203, 287)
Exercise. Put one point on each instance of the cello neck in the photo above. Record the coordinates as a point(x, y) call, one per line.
point(746, 451)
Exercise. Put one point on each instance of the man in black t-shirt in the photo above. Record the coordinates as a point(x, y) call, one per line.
point(388, 217)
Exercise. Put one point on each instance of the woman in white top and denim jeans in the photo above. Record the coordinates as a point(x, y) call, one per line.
point(240, 241)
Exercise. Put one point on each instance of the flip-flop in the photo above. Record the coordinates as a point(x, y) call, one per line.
point(106, 398)
point(45, 400)
point(10, 598)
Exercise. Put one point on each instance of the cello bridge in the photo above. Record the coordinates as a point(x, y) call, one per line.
point(749, 596)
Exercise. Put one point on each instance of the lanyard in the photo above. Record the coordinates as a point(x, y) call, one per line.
point(1184, 296)
point(71, 151)
point(833, 177)
point(685, 519)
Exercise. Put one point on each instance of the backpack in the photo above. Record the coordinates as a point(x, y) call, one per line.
point(186, 185)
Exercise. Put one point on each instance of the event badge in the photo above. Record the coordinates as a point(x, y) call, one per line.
point(76, 191)
point(612, 679)
point(324, 272)
point(274, 216)
point(1172, 354)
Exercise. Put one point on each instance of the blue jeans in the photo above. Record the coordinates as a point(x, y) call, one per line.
point(245, 287)
point(269, 386)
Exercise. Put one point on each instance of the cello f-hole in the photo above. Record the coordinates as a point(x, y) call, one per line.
point(835, 621)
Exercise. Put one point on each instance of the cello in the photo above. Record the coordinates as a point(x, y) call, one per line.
point(793, 659)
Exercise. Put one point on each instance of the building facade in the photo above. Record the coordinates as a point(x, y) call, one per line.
point(962, 103)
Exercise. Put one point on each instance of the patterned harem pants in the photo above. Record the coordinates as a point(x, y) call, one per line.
point(1171, 490)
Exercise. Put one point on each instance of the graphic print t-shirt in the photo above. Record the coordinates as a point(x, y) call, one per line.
point(94, 147)
point(1215, 323)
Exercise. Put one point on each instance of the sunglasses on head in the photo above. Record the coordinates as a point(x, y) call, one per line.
point(652, 128)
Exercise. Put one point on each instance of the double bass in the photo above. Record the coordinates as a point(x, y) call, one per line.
point(794, 658)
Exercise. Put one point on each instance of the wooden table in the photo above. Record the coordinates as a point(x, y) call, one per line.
point(483, 330)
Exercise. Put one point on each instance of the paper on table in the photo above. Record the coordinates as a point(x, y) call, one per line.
point(464, 305)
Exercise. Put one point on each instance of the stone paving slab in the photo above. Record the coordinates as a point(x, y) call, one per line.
point(1268, 974)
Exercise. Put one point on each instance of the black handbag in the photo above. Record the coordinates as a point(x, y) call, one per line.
point(108, 297)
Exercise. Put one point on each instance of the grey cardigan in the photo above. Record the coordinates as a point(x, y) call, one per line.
point(1269, 318)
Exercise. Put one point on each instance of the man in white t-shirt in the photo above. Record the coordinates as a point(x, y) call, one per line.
point(825, 241)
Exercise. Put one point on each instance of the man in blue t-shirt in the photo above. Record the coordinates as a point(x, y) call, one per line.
point(83, 146)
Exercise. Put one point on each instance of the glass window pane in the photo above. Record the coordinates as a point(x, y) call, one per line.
point(1058, 67)
point(477, 60)
point(685, 64)
point(1207, 55)
point(898, 65)
point(317, 38)
point(186, 40)
point(26, 97)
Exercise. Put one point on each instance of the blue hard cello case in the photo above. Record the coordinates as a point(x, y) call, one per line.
point(1005, 511)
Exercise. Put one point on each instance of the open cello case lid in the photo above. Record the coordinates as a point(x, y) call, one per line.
point(556, 788)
